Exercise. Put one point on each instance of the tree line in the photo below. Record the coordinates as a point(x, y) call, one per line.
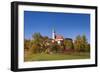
point(43, 44)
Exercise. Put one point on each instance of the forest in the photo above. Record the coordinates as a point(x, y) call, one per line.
point(40, 48)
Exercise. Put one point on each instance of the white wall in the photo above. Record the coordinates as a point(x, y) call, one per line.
point(5, 35)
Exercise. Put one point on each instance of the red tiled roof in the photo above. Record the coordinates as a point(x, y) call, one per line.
point(59, 37)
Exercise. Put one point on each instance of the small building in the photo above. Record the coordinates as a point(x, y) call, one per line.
point(56, 37)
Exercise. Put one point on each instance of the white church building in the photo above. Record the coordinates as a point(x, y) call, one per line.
point(56, 37)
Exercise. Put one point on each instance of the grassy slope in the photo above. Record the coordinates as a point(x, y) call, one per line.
point(46, 57)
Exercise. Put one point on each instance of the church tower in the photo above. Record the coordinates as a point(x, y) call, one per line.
point(53, 33)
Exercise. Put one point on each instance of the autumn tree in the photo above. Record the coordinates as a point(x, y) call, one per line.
point(26, 44)
point(40, 43)
point(68, 43)
point(27, 47)
point(81, 44)
point(36, 43)
point(55, 47)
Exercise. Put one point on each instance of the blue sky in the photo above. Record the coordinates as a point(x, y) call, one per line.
point(69, 25)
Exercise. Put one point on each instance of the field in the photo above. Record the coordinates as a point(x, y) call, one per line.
point(48, 57)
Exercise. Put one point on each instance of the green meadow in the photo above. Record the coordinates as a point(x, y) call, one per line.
point(48, 57)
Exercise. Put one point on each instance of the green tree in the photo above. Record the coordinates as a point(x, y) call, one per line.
point(45, 43)
point(40, 42)
point(87, 48)
point(81, 44)
point(36, 43)
point(68, 44)
point(77, 43)
point(37, 38)
point(35, 49)
point(55, 47)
